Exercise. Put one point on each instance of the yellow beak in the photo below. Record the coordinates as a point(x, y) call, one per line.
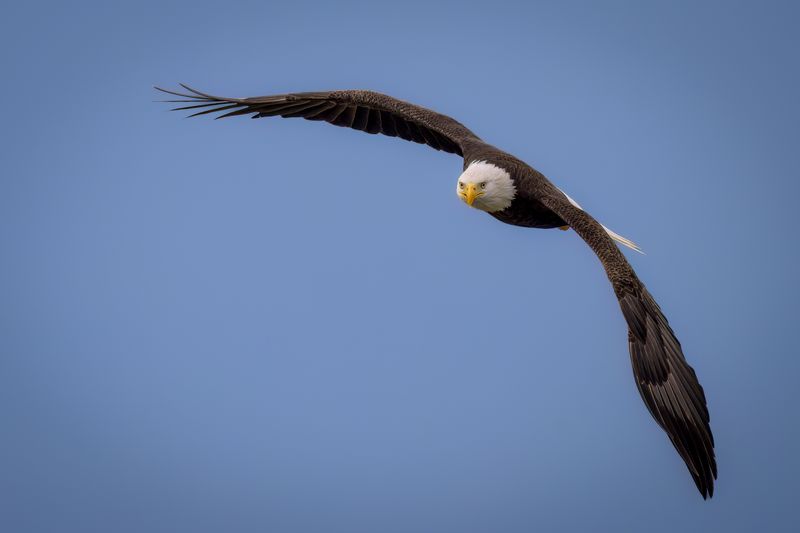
point(472, 193)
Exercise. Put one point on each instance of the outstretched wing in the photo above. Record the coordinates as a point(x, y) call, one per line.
point(666, 382)
point(361, 110)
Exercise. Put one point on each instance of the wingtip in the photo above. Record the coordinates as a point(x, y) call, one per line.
point(161, 89)
point(195, 91)
point(175, 93)
point(705, 475)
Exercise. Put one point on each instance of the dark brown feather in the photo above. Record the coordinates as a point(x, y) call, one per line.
point(402, 129)
point(332, 115)
point(374, 121)
point(321, 112)
point(303, 110)
point(387, 124)
point(346, 118)
point(214, 110)
point(416, 134)
point(360, 119)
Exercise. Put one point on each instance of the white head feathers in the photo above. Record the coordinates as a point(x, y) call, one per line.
point(495, 184)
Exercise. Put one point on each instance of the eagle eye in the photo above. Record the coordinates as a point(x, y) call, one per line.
point(483, 185)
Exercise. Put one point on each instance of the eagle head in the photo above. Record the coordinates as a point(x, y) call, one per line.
point(486, 187)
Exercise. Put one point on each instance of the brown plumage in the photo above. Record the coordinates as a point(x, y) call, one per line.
point(666, 382)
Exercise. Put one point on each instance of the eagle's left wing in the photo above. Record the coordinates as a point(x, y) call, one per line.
point(666, 382)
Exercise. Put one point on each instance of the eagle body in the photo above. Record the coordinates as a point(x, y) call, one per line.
point(529, 213)
point(515, 193)
point(525, 209)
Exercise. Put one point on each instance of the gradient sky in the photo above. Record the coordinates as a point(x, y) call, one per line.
point(283, 326)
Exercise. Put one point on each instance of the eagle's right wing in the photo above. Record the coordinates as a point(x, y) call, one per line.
point(361, 110)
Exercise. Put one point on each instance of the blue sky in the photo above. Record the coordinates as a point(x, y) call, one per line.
point(278, 325)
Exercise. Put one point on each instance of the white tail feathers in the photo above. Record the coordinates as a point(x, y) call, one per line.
point(623, 241)
point(616, 236)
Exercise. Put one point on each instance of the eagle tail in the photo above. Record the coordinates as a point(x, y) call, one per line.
point(623, 240)
point(616, 236)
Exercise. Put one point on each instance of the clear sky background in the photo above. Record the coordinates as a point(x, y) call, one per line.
point(283, 326)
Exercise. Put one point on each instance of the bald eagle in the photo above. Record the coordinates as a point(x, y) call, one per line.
point(515, 193)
